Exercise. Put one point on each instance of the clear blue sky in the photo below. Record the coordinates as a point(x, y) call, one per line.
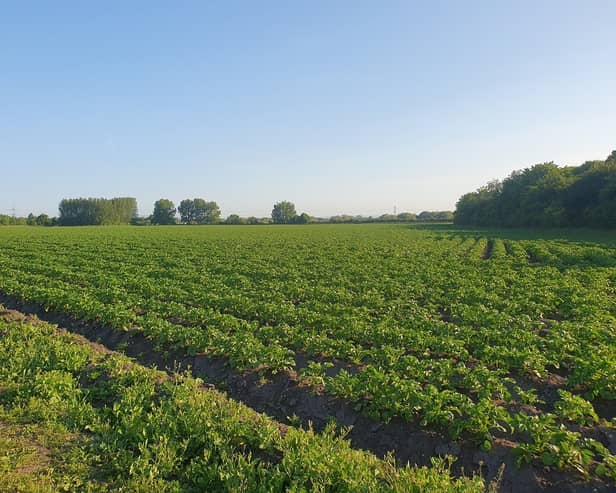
point(338, 106)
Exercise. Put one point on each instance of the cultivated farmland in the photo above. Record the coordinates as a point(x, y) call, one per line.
point(429, 341)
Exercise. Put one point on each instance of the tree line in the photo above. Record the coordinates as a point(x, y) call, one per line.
point(198, 211)
point(123, 210)
point(192, 211)
point(545, 195)
point(402, 217)
point(97, 211)
point(6, 220)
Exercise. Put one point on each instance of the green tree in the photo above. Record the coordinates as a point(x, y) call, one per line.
point(545, 195)
point(283, 212)
point(407, 217)
point(206, 212)
point(444, 215)
point(199, 211)
point(43, 220)
point(97, 211)
point(31, 220)
point(388, 218)
point(342, 218)
point(448, 215)
point(164, 212)
point(187, 211)
point(303, 218)
point(235, 219)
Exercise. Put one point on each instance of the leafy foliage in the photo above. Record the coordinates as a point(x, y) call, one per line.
point(82, 212)
point(198, 211)
point(545, 195)
point(164, 212)
point(144, 431)
point(284, 212)
point(455, 331)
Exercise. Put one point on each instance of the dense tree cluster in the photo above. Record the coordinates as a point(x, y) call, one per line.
point(284, 212)
point(164, 212)
point(40, 220)
point(95, 211)
point(235, 219)
point(6, 220)
point(435, 216)
point(192, 211)
point(545, 195)
point(31, 220)
point(198, 211)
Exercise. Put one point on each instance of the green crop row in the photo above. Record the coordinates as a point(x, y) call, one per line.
point(118, 426)
point(455, 333)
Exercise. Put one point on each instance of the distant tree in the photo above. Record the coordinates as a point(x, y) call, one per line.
point(198, 211)
point(407, 217)
point(235, 219)
point(97, 211)
point(545, 195)
point(141, 221)
point(206, 212)
point(6, 220)
point(388, 218)
point(252, 220)
point(164, 212)
point(186, 210)
point(342, 218)
point(303, 218)
point(283, 212)
point(444, 216)
point(31, 220)
point(78, 212)
point(43, 220)
point(436, 215)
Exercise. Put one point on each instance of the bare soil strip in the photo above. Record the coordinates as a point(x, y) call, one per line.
point(285, 399)
point(487, 251)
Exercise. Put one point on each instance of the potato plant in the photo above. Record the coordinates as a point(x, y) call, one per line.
point(76, 419)
point(458, 331)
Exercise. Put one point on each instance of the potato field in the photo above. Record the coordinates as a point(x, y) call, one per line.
point(416, 358)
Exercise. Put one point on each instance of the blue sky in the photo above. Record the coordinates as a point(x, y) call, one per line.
point(340, 107)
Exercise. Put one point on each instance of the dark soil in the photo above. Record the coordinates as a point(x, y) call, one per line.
point(285, 399)
point(532, 259)
point(605, 408)
point(487, 251)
